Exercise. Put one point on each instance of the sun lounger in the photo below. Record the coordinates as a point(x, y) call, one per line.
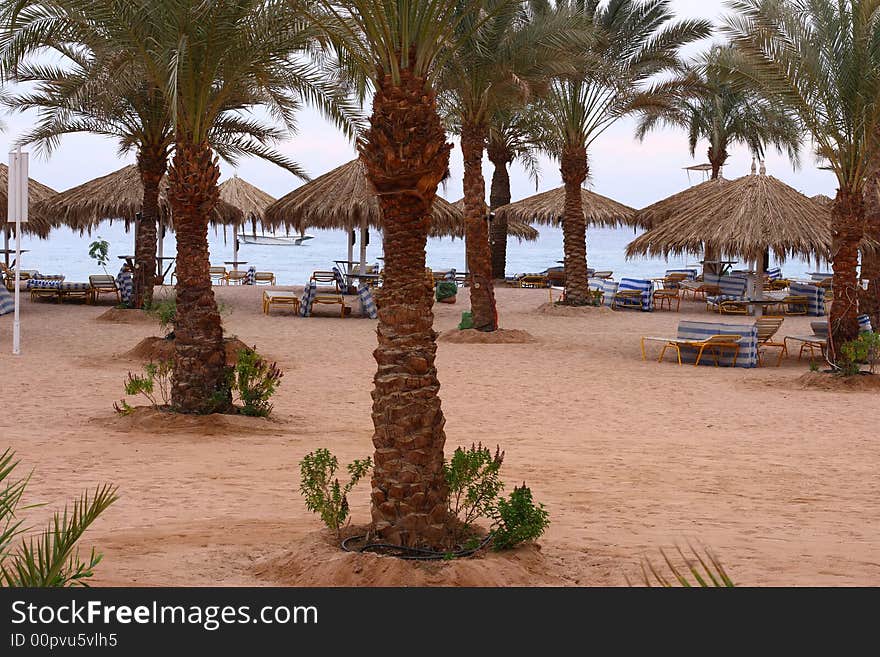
point(330, 297)
point(280, 298)
point(666, 296)
point(218, 274)
point(534, 280)
point(716, 345)
point(815, 295)
point(71, 290)
point(634, 293)
point(730, 288)
point(40, 288)
point(104, 284)
point(691, 336)
point(264, 277)
point(236, 277)
point(768, 325)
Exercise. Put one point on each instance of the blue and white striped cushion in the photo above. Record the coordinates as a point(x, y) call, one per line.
point(340, 280)
point(816, 295)
point(74, 287)
point(7, 301)
point(644, 286)
point(48, 277)
point(125, 283)
point(251, 277)
point(733, 288)
point(774, 274)
point(42, 283)
point(748, 350)
point(712, 279)
point(865, 324)
point(691, 273)
point(309, 294)
point(368, 303)
point(609, 288)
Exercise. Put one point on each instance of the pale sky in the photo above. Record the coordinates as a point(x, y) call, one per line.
point(631, 172)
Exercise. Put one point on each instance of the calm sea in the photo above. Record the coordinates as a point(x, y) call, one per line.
point(66, 252)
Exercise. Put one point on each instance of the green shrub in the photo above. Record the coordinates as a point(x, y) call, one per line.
point(154, 384)
point(321, 489)
point(814, 366)
point(474, 483)
point(164, 310)
point(49, 558)
point(518, 519)
point(864, 349)
point(99, 250)
point(255, 380)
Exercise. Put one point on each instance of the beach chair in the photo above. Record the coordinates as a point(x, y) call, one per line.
point(768, 325)
point(634, 293)
point(40, 288)
point(264, 278)
point(329, 297)
point(236, 277)
point(104, 284)
point(818, 341)
point(715, 344)
point(280, 298)
point(555, 276)
point(72, 290)
point(815, 295)
point(534, 280)
point(730, 288)
point(666, 296)
point(218, 275)
point(795, 304)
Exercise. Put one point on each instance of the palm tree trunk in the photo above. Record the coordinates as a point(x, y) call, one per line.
point(869, 302)
point(848, 217)
point(499, 194)
point(152, 165)
point(574, 227)
point(479, 255)
point(406, 156)
point(199, 383)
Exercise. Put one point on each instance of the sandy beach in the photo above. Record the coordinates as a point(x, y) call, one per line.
point(628, 456)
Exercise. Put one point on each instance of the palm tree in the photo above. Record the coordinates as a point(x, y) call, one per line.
point(636, 42)
point(724, 113)
point(499, 63)
point(819, 59)
point(399, 48)
point(514, 135)
point(869, 301)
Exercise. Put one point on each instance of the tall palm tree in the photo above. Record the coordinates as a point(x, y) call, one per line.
point(869, 301)
point(820, 59)
point(514, 135)
point(724, 113)
point(398, 48)
point(500, 62)
point(636, 42)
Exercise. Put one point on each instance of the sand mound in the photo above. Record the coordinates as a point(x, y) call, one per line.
point(125, 316)
point(561, 310)
point(835, 383)
point(501, 336)
point(316, 559)
point(145, 419)
point(161, 349)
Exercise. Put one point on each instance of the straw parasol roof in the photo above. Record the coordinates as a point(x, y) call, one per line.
point(37, 192)
point(341, 199)
point(250, 200)
point(517, 229)
point(743, 218)
point(655, 214)
point(823, 200)
point(549, 207)
point(116, 196)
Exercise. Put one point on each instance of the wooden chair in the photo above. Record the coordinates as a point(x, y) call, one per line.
point(280, 298)
point(714, 344)
point(666, 296)
point(264, 277)
point(218, 274)
point(235, 277)
point(796, 304)
point(328, 278)
point(768, 325)
point(627, 299)
point(104, 284)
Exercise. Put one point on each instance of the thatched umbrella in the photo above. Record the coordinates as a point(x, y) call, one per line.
point(517, 229)
point(656, 213)
point(251, 201)
point(742, 218)
point(823, 200)
point(37, 223)
point(549, 208)
point(344, 199)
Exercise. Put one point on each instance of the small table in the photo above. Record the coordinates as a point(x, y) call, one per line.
point(8, 252)
point(129, 260)
point(163, 274)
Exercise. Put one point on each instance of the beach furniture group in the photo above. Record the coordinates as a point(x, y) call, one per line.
point(250, 276)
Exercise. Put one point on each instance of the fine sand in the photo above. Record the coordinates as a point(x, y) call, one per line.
point(774, 471)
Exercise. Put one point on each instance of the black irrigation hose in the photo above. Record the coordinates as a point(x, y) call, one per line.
point(413, 553)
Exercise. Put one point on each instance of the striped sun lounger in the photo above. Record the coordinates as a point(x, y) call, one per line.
point(608, 287)
point(733, 288)
point(691, 273)
point(865, 324)
point(816, 295)
point(646, 287)
point(774, 274)
point(368, 303)
point(125, 283)
point(7, 301)
point(309, 294)
point(748, 350)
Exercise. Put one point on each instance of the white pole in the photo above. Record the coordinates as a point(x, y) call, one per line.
point(18, 212)
point(759, 285)
point(235, 247)
point(364, 230)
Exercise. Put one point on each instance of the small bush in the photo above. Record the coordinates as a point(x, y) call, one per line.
point(99, 251)
point(255, 380)
point(814, 366)
point(474, 483)
point(154, 384)
point(864, 349)
point(518, 519)
point(321, 489)
point(164, 310)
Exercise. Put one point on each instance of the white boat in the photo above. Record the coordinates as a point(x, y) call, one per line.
point(274, 240)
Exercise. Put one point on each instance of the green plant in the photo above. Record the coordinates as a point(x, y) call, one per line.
point(864, 349)
point(51, 558)
point(518, 519)
point(164, 310)
point(99, 250)
point(321, 489)
point(154, 384)
point(255, 380)
point(707, 572)
point(472, 476)
point(814, 366)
